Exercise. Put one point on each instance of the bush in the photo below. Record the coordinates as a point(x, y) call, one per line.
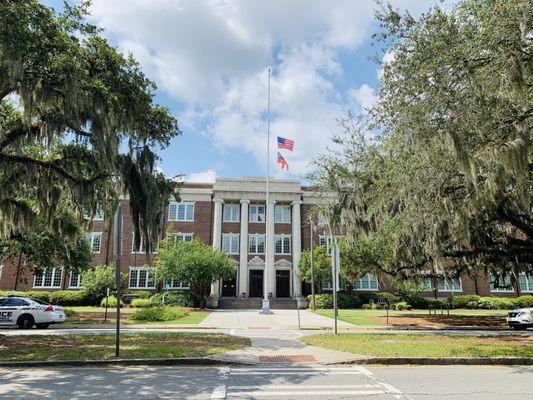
point(366, 307)
point(401, 306)
point(523, 301)
point(143, 294)
point(181, 298)
point(12, 293)
point(95, 281)
point(466, 301)
point(70, 298)
point(141, 303)
point(347, 301)
point(377, 306)
point(366, 297)
point(38, 295)
point(155, 314)
point(495, 303)
point(437, 303)
point(112, 302)
point(325, 300)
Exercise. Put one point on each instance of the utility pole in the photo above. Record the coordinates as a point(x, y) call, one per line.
point(312, 270)
point(118, 255)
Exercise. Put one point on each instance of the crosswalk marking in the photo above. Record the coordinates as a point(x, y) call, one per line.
point(265, 393)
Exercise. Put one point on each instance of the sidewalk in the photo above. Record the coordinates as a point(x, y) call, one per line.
point(280, 319)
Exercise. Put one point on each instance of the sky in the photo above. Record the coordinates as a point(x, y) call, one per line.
point(209, 59)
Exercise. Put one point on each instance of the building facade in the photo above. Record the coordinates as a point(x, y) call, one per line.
point(233, 215)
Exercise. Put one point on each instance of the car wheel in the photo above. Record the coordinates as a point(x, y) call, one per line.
point(42, 326)
point(519, 327)
point(25, 322)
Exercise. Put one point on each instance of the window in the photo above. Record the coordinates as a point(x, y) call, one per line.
point(283, 244)
point(99, 215)
point(282, 214)
point(327, 242)
point(449, 285)
point(142, 278)
point(48, 278)
point(257, 213)
point(526, 282)
point(141, 249)
point(327, 285)
point(175, 284)
point(74, 281)
point(256, 244)
point(426, 284)
point(504, 284)
point(95, 241)
point(174, 238)
point(181, 212)
point(231, 212)
point(322, 220)
point(366, 282)
point(230, 243)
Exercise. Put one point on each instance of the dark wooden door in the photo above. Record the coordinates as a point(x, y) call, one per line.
point(229, 287)
point(256, 283)
point(283, 283)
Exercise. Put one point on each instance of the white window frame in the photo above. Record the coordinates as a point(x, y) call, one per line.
point(99, 215)
point(78, 281)
point(174, 284)
point(1, 270)
point(447, 287)
point(232, 239)
point(322, 220)
point(366, 280)
point(327, 285)
point(91, 238)
point(427, 284)
point(528, 280)
point(142, 249)
point(188, 205)
point(284, 238)
point(509, 289)
point(138, 270)
point(253, 241)
point(53, 277)
point(327, 241)
point(232, 212)
point(284, 214)
point(255, 213)
point(180, 236)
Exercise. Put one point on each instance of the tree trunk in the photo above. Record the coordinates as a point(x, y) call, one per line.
point(17, 275)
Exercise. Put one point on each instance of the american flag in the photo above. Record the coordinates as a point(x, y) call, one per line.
point(282, 162)
point(285, 143)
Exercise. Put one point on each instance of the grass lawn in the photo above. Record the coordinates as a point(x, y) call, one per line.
point(418, 345)
point(375, 317)
point(102, 347)
point(95, 315)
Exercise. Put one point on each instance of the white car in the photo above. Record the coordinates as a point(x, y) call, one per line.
point(25, 313)
point(520, 319)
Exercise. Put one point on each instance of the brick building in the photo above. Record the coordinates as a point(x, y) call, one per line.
point(232, 215)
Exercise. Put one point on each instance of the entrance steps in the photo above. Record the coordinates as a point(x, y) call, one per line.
point(233, 303)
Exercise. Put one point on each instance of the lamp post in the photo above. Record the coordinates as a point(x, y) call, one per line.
point(118, 255)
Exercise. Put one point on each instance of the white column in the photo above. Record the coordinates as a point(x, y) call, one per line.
point(270, 242)
point(243, 250)
point(217, 238)
point(296, 247)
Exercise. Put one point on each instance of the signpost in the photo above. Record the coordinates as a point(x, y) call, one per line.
point(335, 260)
point(312, 271)
point(106, 304)
point(384, 301)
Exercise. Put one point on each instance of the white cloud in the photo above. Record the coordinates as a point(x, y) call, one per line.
point(208, 176)
point(211, 57)
point(364, 96)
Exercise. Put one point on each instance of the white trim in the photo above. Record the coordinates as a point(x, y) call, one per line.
point(78, 286)
point(528, 282)
point(232, 237)
point(175, 235)
point(452, 290)
point(250, 213)
point(284, 206)
point(491, 278)
point(369, 278)
point(186, 204)
point(328, 242)
point(232, 206)
point(91, 238)
point(182, 285)
point(137, 279)
point(52, 279)
point(254, 235)
point(283, 237)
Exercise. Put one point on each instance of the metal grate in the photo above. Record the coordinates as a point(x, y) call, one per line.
point(284, 359)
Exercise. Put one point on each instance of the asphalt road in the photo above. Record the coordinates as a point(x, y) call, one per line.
point(269, 382)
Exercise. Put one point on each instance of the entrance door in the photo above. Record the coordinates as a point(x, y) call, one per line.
point(283, 283)
point(229, 287)
point(256, 283)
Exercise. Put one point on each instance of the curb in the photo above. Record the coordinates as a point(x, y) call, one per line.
point(438, 361)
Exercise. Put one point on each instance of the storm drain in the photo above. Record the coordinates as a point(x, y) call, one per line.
point(287, 359)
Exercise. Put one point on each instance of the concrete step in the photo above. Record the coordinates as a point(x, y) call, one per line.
point(255, 304)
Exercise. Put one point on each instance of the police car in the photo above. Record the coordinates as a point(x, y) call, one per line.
point(25, 313)
point(521, 318)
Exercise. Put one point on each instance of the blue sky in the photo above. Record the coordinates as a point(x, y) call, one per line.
point(209, 59)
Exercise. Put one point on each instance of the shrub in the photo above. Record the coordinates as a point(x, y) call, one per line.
point(143, 294)
point(377, 306)
point(366, 307)
point(347, 301)
point(158, 314)
point(70, 298)
point(112, 302)
point(365, 297)
point(389, 296)
point(12, 293)
point(181, 298)
point(437, 303)
point(95, 281)
point(38, 295)
point(465, 301)
point(142, 303)
point(325, 300)
point(495, 303)
point(402, 305)
point(523, 301)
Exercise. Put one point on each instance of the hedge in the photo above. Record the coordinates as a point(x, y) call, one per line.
point(491, 303)
point(141, 303)
point(143, 294)
point(112, 302)
point(70, 298)
point(181, 298)
point(156, 314)
point(325, 300)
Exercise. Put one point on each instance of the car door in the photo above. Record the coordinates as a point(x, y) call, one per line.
point(10, 309)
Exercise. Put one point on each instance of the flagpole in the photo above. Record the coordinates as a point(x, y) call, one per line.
point(265, 309)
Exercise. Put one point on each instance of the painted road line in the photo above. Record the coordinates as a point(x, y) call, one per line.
point(352, 369)
point(286, 394)
point(306, 387)
point(301, 373)
point(219, 393)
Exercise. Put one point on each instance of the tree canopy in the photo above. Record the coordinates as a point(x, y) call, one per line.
point(440, 168)
point(78, 124)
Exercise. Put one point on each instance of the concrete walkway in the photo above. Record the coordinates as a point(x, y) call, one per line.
point(280, 319)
